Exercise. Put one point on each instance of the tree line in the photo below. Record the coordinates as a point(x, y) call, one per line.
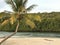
point(48, 22)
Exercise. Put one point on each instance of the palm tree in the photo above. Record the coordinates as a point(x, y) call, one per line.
point(19, 13)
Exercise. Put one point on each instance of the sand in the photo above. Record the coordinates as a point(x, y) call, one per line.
point(32, 41)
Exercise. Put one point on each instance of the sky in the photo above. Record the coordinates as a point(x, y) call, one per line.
point(43, 5)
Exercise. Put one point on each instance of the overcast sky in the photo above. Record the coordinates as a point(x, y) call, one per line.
point(43, 5)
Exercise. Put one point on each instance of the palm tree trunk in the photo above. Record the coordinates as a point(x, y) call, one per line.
point(10, 35)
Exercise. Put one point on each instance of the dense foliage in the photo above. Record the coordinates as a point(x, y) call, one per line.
point(49, 22)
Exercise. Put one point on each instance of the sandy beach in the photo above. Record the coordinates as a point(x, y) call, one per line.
point(32, 41)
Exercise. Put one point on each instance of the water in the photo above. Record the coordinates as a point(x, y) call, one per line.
point(30, 34)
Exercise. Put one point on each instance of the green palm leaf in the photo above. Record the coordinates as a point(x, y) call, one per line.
point(12, 4)
point(30, 7)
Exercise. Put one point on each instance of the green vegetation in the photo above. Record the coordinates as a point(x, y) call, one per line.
point(49, 22)
point(17, 17)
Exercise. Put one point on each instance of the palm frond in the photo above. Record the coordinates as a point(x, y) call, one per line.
point(13, 5)
point(24, 2)
point(30, 7)
point(4, 22)
point(18, 3)
point(30, 23)
point(37, 18)
point(8, 1)
point(13, 18)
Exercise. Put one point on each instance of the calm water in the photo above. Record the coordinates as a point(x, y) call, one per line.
point(30, 34)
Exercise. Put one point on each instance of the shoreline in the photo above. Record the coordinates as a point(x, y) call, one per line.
point(32, 41)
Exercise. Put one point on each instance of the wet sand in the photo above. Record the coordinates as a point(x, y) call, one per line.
point(32, 41)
